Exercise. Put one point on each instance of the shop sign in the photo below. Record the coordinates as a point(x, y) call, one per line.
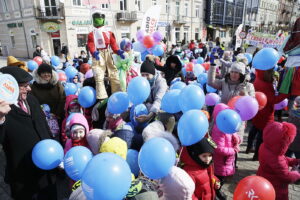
point(27, 12)
point(82, 22)
point(17, 14)
point(50, 27)
point(15, 25)
point(82, 30)
point(55, 34)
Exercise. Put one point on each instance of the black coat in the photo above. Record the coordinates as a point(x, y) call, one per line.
point(37, 53)
point(170, 73)
point(19, 133)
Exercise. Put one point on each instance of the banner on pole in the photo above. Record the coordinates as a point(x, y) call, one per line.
point(150, 20)
point(239, 40)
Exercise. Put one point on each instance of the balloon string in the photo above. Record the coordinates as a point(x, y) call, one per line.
point(180, 152)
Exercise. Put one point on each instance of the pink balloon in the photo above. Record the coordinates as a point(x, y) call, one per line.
point(89, 74)
point(247, 107)
point(140, 35)
point(38, 60)
point(212, 99)
point(218, 108)
point(281, 105)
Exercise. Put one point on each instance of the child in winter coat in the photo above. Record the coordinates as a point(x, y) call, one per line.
point(274, 165)
point(113, 121)
point(71, 106)
point(197, 160)
point(78, 127)
point(227, 147)
point(294, 117)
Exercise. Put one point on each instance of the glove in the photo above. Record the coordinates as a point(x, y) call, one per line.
point(96, 55)
point(121, 53)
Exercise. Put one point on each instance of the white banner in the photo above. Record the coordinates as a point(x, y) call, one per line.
point(150, 20)
point(238, 41)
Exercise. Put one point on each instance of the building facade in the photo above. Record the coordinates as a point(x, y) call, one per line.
point(54, 23)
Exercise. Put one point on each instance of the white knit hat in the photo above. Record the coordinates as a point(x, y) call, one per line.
point(238, 67)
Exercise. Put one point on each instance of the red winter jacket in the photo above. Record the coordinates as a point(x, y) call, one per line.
point(267, 113)
point(192, 46)
point(274, 165)
point(109, 40)
point(204, 178)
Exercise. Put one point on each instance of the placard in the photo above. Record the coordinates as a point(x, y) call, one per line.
point(9, 88)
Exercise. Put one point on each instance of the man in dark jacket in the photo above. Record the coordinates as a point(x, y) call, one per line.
point(37, 51)
point(20, 130)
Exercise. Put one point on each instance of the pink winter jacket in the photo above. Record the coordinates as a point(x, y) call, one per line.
point(224, 155)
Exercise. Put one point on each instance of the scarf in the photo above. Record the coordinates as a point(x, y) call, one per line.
point(99, 37)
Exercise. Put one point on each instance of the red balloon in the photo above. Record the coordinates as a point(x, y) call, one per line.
point(62, 77)
point(148, 41)
point(189, 67)
point(254, 187)
point(261, 99)
point(38, 60)
point(232, 101)
point(206, 65)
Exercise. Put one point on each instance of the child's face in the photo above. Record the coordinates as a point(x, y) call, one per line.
point(78, 134)
point(74, 109)
point(205, 157)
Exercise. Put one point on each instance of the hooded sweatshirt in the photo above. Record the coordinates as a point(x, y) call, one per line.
point(274, 165)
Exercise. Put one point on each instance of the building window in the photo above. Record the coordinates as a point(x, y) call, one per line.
point(177, 34)
point(104, 6)
point(154, 2)
point(125, 35)
point(177, 8)
point(123, 4)
point(4, 5)
point(34, 41)
point(81, 40)
point(138, 5)
point(197, 34)
point(186, 9)
point(13, 42)
point(222, 34)
point(186, 34)
point(197, 11)
point(76, 2)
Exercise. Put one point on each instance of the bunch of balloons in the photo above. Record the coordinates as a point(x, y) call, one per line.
point(170, 102)
point(149, 44)
point(138, 90)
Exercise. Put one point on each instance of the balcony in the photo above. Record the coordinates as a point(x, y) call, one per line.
point(49, 13)
point(127, 16)
point(180, 20)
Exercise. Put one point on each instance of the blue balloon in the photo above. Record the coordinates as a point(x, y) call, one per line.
point(75, 161)
point(170, 102)
point(118, 102)
point(158, 50)
point(202, 78)
point(200, 60)
point(139, 47)
point(87, 97)
point(132, 160)
point(210, 89)
point(70, 88)
point(198, 69)
point(178, 85)
point(60, 71)
point(55, 61)
point(228, 121)
point(265, 59)
point(138, 90)
point(192, 127)
point(191, 97)
point(249, 57)
point(47, 154)
point(143, 55)
point(32, 65)
point(90, 62)
point(107, 176)
point(71, 72)
point(136, 111)
point(156, 158)
point(183, 70)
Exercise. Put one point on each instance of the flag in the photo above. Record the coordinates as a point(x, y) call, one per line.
point(150, 20)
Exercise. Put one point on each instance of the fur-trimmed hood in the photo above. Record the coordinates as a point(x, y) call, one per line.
point(39, 80)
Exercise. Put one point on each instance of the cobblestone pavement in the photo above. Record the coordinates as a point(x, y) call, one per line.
point(247, 167)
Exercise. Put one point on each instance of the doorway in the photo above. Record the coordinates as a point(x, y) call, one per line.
point(56, 46)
